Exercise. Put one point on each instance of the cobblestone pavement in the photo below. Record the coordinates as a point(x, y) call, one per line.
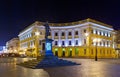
point(88, 68)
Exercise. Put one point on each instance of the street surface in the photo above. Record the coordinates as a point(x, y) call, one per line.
point(88, 68)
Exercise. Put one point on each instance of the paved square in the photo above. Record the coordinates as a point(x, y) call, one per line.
point(88, 68)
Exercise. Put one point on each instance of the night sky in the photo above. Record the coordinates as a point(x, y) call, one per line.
point(15, 15)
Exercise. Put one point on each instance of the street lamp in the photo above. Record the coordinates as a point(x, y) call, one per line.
point(96, 40)
point(37, 42)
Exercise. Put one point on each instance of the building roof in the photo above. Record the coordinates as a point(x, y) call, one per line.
point(69, 23)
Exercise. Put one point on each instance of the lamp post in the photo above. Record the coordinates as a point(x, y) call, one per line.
point(37, 42)
point(96, 40)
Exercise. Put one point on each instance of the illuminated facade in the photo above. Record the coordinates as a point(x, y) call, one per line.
point(75, 39)
point(12, 45)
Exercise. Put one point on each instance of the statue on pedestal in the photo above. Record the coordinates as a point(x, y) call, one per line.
point(47, 30)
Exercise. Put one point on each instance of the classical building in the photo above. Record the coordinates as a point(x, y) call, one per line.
point(85, 38)
point(12, 45)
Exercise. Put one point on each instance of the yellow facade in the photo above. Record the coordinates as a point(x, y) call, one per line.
point(87, 50)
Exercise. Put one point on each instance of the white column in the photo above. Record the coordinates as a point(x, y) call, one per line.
point(59, 38)
point(66, 38)
point(73, 37)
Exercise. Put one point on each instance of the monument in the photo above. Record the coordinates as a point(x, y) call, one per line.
point(48, 60)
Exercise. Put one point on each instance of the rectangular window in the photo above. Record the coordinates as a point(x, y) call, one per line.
point(69, 33)
point(56, 43)
point(69, 42)
point(76, 32)
point(63, 34)
point(63, 43)
point(76, 42)
point(56, 34)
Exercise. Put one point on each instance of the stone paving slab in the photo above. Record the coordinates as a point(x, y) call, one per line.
point(88, 68)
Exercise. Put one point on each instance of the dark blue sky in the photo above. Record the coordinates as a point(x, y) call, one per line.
point(15, 15)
